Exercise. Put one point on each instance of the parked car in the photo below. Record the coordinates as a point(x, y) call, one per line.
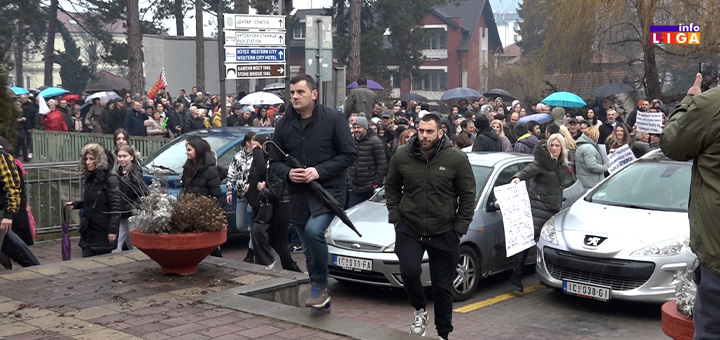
point(371, 259)
point(169, 160)
point(626, 238)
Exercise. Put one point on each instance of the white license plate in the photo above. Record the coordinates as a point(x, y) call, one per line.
point(588, 291)
point(352, 263)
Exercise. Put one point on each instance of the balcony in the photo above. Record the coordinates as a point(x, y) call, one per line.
point(435, 54)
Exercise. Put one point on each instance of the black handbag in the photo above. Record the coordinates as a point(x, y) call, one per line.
point(264, 213)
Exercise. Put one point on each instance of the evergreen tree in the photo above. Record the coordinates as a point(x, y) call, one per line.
point(73, 74)
point(8, 110)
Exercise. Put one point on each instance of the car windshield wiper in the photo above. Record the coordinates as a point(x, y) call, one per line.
point(171, 171)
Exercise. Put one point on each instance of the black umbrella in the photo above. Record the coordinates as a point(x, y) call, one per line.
point(611, 89)
point(328, 200)
point(414, 96)
point(505, 95)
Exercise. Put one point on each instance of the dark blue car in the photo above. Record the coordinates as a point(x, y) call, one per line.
point(226, 141)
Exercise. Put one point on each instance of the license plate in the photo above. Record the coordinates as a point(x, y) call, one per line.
point(352, 263)
point(587, 291)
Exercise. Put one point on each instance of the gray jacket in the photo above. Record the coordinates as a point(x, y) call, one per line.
point(589, 166)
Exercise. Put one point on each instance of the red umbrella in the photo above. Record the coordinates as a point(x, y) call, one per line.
point(71, 98)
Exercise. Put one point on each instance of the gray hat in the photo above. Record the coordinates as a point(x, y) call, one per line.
point(362, 121)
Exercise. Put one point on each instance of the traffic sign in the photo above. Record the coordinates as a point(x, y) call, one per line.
point(253, 21)
point(254, 38)
point(252, 71)
point(258, 54)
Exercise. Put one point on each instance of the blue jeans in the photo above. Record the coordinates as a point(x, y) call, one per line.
point(707, 308)
point(244, 217)
point(312, 236)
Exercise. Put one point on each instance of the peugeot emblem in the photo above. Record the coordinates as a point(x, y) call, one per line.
point(593, 241)
point(356, 245)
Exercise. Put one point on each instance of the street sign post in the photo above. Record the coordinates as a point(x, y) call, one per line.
point(257, 70)
point(253, 21)
point(254, 55)
point(254, 38)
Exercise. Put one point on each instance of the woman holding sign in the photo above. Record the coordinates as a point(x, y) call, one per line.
point(622, 136)
point(546, 177)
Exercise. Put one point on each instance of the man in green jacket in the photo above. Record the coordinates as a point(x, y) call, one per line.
point(360, 99)
point(430, 196)
point(692, 133)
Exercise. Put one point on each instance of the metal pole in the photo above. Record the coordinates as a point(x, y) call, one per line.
point(317, 57)
point(287, 7)
point(221, 61)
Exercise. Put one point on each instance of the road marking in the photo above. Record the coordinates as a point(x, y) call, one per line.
point(493, 300)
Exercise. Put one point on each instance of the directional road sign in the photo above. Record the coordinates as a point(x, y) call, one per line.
point(253, 21)
point(254, 38)
point(252, 71)
point(256, 54)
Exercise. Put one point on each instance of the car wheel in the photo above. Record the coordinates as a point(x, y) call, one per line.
point(466, 274)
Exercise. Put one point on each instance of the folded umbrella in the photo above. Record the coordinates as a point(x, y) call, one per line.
point(66, 246)
point(328, 200)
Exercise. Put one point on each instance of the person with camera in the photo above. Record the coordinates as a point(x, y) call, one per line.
point(692, 133)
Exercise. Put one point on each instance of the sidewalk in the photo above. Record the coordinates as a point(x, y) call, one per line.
point(125, 296)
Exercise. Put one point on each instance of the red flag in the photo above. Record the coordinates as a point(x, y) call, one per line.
point(160, 83)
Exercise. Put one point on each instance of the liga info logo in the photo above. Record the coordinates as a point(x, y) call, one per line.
point(680, 34)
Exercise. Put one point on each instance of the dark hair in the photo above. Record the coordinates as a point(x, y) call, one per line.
point(454, 106)
point(521, 129)
point(129, 149)
point(430, 117)
point(123, 132)
point(552, 128)
point(425, 106)
point(248, 137)
point(464, 123)
point(532, 124)
point(190, 168)
point(7, 146)
point(361, 80)
point(463, 141)
point(307, 78)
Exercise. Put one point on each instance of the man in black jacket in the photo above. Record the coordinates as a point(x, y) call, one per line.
point(607, 128)
point(29, 113)
point(487, 139)
point(319, 138)
point(370, 168)
point(194, 122)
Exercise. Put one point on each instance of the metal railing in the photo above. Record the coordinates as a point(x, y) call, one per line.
point(48, 187)
point(61, 146)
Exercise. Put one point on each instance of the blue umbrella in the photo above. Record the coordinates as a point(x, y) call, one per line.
point(541, 118)
point(52, 92)
point(564, 99)
point(460, 93)
point(19, 90)
point(371, 84)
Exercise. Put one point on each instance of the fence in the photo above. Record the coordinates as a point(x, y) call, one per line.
point(48, 187)
point(60, 146)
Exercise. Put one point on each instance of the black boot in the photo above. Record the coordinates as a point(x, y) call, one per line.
point(516, 281)
point(294, 268)
point(250, 257)
point(516, 278)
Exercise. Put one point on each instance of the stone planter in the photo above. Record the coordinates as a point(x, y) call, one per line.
point(675, 324)
point(178, 253)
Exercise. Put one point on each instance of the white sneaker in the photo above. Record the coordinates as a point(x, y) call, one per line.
point(419, 323)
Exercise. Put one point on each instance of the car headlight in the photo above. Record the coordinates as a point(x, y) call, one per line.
point(547, 233)
point(390, 248)
point(328, 236)
point(665, 248)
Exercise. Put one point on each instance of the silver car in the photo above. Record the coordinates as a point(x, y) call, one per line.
point(371, 259)
point(625, 239)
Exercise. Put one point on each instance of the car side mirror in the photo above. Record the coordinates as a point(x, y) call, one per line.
point(493, 206)
point(177, 182)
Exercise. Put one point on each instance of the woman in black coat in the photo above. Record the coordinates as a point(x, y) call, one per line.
point(101, 202)
point(132, 187)
point(546, 177)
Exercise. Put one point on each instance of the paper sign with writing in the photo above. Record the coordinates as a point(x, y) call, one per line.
point(620, 158)
point(649, 121)
point(517, 219)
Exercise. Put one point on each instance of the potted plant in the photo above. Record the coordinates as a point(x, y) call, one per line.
point(177, 234)
point(677, 322)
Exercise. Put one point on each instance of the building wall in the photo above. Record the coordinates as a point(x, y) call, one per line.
point(507, 32)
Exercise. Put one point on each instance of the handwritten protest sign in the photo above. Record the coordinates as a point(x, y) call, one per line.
point(649, 121)
point(515, 207)
point(620, 158)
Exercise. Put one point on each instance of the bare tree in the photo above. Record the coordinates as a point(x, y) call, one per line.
point(134, 43)
point(179, 17)
point(50, 46)
point(199, 47)
point(19, 48)
point(354, 57)
point(242, 7)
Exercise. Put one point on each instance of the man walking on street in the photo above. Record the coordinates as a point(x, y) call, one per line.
point(9, 192)
point(370, 168)
point(692, 133)
point(320, 139)
point(430, 195)
point(360, 99)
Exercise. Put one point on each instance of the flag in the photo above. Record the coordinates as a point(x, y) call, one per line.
point(160, 83)
point(44, 109)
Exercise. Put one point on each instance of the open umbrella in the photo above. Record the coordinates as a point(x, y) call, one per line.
point(328, 200)
point(274, 86)
point(611, 89)
point(52, 92)
point(414, 96)
point(564, 99)
point(261, 98)
point(541, 118)
point(505, 95)
point(19, 90)
point(104, 96)
point(371, 84)
point(460, 93)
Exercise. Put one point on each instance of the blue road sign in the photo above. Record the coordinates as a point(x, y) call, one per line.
point(255, 54)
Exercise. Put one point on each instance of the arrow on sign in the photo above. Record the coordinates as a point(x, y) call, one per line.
point(281, 22)
point(281, 70)
point(281, 54)
point(281, 39)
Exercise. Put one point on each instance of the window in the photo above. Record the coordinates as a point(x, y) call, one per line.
point(396, 81)
point(504, 177)
point(515, 38)
point(430, 81)
point(299, 31)
point(437, 39)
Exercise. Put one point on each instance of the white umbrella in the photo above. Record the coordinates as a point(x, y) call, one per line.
point(274, 87)
point(261, 98)
point(104, 96)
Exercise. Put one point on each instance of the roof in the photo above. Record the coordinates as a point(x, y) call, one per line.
point(70, 20)
point(469, 13)
point(502, 18)
point(511, 51)
point(584, 84)
point(606, 57)
point(105, 80)
point(493, 158)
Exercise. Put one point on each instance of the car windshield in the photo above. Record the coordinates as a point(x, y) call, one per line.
point(647, 185)
point(172, 156)
point(482, 173)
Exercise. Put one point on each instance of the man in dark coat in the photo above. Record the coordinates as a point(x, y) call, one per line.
point(360, 99)
point(194, 121)
point(487, 139)
point(135, 120)
point(319, 138)
point(609, 126)
point(30, 113)
point(236, 114)
point(527, 140)
point(176, 119)
point(370, 168)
